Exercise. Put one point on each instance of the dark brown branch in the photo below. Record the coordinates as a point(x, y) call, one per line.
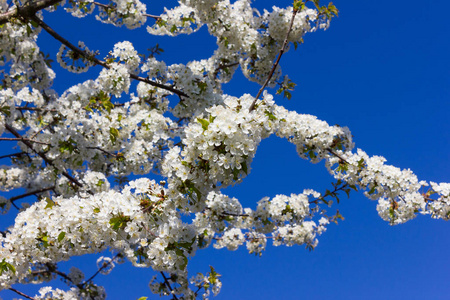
point(27, 10)
point(22, 294)
point(221, 67)
point(337, 155)
point(97, 61)
point(110, 7)
point(334, 193)
point(29, 145)
point(104, 151)
point(53, 269)
point(229, 214)
point(24, 139)
point(35, 109)
point(167, 283)
point(12, 199)
point(274, 66)
point(13, 154)
point(100, 269)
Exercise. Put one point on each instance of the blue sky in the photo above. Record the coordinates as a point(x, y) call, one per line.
point(383, 70)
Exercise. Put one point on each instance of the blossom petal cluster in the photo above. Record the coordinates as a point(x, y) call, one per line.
point(88, 153)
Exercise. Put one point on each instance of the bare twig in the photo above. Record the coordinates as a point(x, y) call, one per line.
point(100, 269)
point(167, 283)
point(42, 155)
point(35, 109)
point(337, 155)
point(27, 10)
point(274, 66)
point(228, 213)
point(97, 61)
point(21, 294)
point(12, 154)
point(111, 7)
point(24, 139)
point(221, 67)
point(12, 199)
point(104, 151)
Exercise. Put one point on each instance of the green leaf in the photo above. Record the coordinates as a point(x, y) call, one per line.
point(61, 236)
point(50, 203)
point(5, 267)
point(96, 210)
point(347, 191)
point(244, 167)
point(332, 8)
point(113, 134)
point(353, 187)
point(204, 123)
point(6, 110)
point(35, 25)
point(298, 5)
point(372, 190)
point(119, 221)
point(270, 115)
point(202, 86)
point(143, 298)
point(235, 174)
point(213, 275)
point(287, 95)
point(69, 145)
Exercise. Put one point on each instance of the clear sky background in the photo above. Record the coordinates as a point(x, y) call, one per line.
point(383, 70)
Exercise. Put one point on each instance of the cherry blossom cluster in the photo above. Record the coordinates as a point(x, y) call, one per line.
point(76, 149)
point(244, 35)
point(130, 13)
point(72, 61)
point(25, 64)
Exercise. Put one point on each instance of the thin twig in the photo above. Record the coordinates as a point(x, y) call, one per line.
point(111, 7)
point(228, 213)
point(12, 199)
point(167, 283)
point(97, 61)
point(24, 139)
point(29, 145)
point(221, 67)
point(336, 189)
point(337, 155)
point(283, 48)
point(35, 109)
point(13, 154)
point(100, 269)
point(27, 10)
point(21, 294)
point(104, 151)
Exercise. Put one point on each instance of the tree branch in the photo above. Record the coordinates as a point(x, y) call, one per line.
point(12, 199)
point(99, 62)
point(26, 11)
point(167, 283)
point(110, 7)
point(274, 66)
point(22, 294)
point(337, 155)
point(99, 270)
point(24, 139)
point(35, 109)
point(104, 151)
point(13, 154)
point(29, 145)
